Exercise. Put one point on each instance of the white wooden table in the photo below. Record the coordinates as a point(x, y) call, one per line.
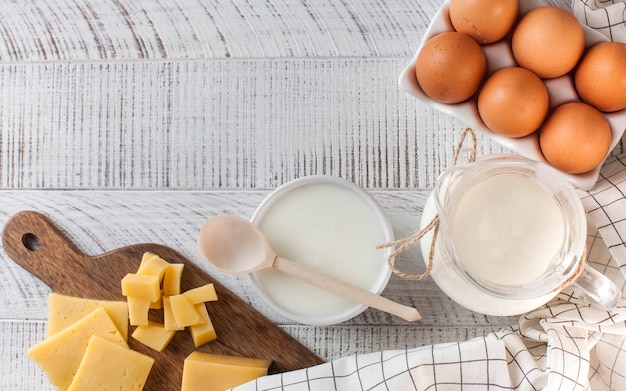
point(129, 122)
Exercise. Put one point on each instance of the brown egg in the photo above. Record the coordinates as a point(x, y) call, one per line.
point(450, 67)
point(548, 41)
point(600, 78)
point(486, 21)
point(575, 138)
point(513, 102)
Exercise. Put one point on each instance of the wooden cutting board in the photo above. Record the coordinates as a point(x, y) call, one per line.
point(33, 242)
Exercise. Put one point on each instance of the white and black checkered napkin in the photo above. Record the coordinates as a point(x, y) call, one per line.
point(564, 345)
point(605, 16)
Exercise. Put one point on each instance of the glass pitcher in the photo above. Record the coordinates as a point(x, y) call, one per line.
point(514, 229)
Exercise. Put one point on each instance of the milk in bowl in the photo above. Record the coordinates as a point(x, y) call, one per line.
point(333, 226)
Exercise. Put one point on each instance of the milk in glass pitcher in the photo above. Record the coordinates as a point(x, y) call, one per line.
point(512, 235)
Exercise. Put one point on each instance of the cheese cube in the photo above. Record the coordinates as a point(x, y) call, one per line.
point(141, 286)
point(154, 266)
point(217, 372)
point(64, 310)
point(203, 332)
point(60, 354)
point(157, 305)
point(147, 255)
point(154, 336)
point(184, 312)
point(138, 310)
point(201, 294)
point(171, 279)
point(169, 322)
point(108, 366)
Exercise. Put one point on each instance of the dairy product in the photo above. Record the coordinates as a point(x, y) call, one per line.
point(201, 294)
point(109, 366)
point(185, 314)
point(169, 321)
point(154, 335)
point(507, 230)
point(203, 332)
point(152, 264)
point(64, 310)
point(142, 286)
point(217, 372)
point(171, 279)
point(61, 354)
point(138, 310)
point(330, 228)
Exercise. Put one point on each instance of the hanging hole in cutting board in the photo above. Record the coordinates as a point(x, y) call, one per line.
point(31, 242)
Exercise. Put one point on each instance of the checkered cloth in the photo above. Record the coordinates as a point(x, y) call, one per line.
point(565, 345)
point(605, 16)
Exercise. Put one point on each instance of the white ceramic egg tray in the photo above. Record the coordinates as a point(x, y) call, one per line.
point(499, 55)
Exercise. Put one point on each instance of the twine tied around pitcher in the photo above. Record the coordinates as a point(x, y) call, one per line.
point(433, 225)
point(402, 244)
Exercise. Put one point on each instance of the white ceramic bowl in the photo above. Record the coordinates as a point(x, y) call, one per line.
point(335, 230)
point(499, 56)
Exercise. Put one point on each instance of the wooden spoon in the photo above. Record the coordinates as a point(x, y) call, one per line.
point(234, 245)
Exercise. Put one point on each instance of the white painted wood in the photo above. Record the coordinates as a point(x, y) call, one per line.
point(113, 30)
point(218, 124)
point(99, 221)
point(129, 122)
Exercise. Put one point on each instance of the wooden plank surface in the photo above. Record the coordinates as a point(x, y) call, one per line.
point(131, 122)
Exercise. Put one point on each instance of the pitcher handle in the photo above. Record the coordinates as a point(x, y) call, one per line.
point(598, 289)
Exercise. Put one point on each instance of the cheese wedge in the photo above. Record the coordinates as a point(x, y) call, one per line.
point(153, 265)
point(141, 286)
point(154, 336)
point(201, 294)
point(109, 366)
point(157, 305)
point(203, 332)
point(60, 354)
point(216, 372)
point(169, 322)
point(172, 278)
point(185, 313)
point(138, 310)
point(64, 310)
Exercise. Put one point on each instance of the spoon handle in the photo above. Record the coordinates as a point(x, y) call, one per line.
point(346, 290)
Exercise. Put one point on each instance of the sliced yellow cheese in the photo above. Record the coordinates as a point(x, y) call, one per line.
point(147, 255)
point(60, 354)
point(157, 305)
point(185, 313)
point(201, 294)
point(138, 310)
point(108, 366)
point(154, 265)
point(141, 286)
point(169, 323)
point(203, 332)
point(172, 278)
point(154, 336)
point(64, 310)
point(216, 372)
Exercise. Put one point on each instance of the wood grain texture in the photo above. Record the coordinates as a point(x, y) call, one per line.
point(184, 125)
point(71, 30)
point(132, 122)
point(35, 243)
point(125, 30)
